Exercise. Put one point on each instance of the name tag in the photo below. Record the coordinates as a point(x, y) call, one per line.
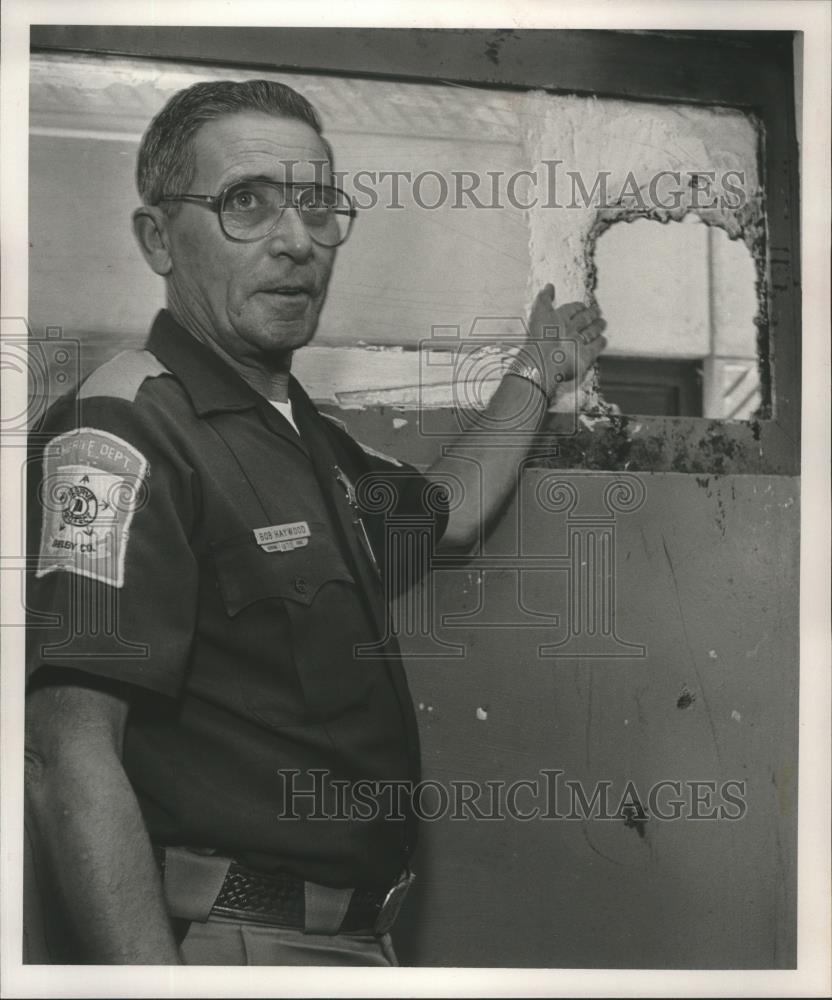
point(283, 537)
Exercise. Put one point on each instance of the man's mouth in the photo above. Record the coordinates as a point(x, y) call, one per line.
point(289, 301)
point(289, 290)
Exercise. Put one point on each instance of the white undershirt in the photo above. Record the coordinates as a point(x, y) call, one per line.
point(286, 410)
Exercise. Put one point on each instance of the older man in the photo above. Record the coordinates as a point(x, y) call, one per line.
point(193, 496)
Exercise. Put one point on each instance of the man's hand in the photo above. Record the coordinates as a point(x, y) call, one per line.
point(573, 322)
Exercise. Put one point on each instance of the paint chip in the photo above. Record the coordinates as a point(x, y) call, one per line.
point(482, 714)
point(712, 654)
point(735, 715)
point(421, 706)
point(398, 422)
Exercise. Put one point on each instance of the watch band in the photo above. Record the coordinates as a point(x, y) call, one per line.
point(530, 372)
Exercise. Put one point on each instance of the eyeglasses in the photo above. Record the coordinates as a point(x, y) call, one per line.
point(250, 210)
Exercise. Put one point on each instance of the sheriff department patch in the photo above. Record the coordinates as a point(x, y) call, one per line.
point(93, 483)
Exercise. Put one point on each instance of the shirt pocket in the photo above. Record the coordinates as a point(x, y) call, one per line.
point(295, 612)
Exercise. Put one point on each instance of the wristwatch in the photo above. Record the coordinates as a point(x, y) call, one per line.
point(530, 372)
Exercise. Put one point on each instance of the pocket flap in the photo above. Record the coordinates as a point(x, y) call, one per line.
point(247, 573)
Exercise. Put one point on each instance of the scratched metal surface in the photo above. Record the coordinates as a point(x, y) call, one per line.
point(706, 579)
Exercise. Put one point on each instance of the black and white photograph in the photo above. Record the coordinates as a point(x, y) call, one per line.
point(415, 494)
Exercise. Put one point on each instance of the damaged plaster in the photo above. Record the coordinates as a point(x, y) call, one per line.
point(631, 143)
point(591, 136)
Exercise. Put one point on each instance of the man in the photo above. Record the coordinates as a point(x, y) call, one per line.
point(193, 497)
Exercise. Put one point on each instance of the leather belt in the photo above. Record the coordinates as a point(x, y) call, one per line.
point(280, 899)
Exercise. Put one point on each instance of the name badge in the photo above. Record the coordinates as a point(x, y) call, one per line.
point(283, 537)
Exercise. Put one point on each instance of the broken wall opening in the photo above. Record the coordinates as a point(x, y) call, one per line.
point(681, 301)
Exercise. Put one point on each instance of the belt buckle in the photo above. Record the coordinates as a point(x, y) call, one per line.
point(393, 903)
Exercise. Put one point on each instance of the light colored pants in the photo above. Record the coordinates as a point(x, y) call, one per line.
point(221, 941)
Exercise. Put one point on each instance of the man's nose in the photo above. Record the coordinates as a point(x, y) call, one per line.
point(290, 236)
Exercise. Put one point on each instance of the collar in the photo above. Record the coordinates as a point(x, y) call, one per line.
point(213, 385)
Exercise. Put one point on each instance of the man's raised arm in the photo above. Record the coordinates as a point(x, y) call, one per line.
point(518, 408)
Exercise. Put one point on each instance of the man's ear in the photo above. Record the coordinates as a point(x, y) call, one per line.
point(150, 227)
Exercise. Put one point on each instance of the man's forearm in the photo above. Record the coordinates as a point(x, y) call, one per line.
point(486, 459)
point(488, 470)
point(92, 838)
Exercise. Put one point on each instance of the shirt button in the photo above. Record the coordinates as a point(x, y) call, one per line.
point(300, 585)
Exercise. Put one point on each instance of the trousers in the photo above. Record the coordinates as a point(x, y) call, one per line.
point(222, 941)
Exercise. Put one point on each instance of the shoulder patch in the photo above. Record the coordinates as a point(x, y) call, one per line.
point(122, 376)
point(364, 447)
point(93, 483)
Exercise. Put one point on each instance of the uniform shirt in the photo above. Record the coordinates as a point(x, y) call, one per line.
point(197, 551)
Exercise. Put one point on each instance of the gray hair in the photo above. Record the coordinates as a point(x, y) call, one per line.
point(166, 161)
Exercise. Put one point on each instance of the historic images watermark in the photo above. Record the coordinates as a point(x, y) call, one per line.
point(87, 488)
point(316, 795)
point(583, 618)
point(587, 625)
point(549, 185)
point(48, 366)
point(86, 514)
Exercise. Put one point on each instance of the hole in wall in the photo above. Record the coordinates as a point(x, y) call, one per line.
point(680, 300)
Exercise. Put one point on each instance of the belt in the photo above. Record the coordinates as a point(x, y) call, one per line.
point(281, 899)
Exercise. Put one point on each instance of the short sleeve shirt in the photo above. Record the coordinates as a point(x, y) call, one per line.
point(197, 549)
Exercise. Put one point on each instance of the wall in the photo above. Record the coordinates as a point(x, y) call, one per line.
point(704, 576)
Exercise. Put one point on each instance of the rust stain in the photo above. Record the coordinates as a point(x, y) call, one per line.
point(691, 657)
point(492, 48)
point(492, 52)
point(686, 698)
point(635, 817)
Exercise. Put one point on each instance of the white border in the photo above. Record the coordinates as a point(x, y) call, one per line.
point(813, 977)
